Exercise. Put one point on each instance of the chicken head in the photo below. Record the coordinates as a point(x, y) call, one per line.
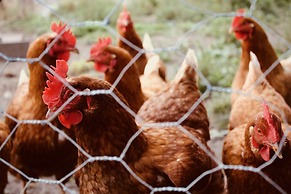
point(64, 44)
point(103, 60)
point(124, 20)
point(265, 134)
point(241, 26)
point(57, 94)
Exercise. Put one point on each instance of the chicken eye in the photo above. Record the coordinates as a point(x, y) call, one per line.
point(69, 94)
point(259, 130)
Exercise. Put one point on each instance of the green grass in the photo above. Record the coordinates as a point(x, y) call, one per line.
point(218, 109)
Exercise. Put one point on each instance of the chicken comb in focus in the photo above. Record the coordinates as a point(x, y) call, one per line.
point(52, 93)
point(101, 43)
point(67, 35)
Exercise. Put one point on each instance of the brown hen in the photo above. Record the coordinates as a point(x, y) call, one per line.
point(254, 39)
point(151, 81)
point(38, 150)
point(149, 48)
point(154, 78)
point(159, 157)
point(178, 100)
point(251, 145)
point(256, 89)
point(130, 40)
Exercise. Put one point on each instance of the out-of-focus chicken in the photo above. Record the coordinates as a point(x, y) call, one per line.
point(176, 101)
point(38, 150)
point(130, 40)
point(253, 38)
point(286, 63)
point(256, 89)
point(113, 60)
point(151, 81)
point(251, 145)
point(149, 47)
point(158, 156)
point(154, 78)
point(5, 150)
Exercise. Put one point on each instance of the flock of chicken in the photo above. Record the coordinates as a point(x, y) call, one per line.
point(170, 158)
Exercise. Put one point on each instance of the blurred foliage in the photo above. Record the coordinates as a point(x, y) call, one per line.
point(85, 10)
point(218, 109)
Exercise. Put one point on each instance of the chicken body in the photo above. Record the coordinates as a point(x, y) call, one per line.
point(149, 48)
point(176, 100)
point(256, 89)
point(154, 78)
point(5, 155)
point(38, 150)
point(151, 81)
point(160, 157)
point(237, 150)
point(254, 39)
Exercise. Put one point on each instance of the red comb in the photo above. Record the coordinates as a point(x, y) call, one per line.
point(238, 16)
point(51, 94)
point(101, 43)
point(67, 35)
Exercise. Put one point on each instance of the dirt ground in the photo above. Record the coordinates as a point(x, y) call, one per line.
point(9, 79)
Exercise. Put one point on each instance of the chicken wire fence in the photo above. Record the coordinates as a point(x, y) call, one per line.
point(209, 17)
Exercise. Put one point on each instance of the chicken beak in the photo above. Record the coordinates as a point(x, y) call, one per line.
point(90, 59)
point(275, 147)
point(74, 50)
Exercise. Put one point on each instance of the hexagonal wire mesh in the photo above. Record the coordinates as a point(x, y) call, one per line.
point(209, 16)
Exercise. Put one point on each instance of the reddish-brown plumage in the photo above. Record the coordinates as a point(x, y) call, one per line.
point(240, 149)
point(159, 156)
point(172, 103)
point(253, 38)
point(126, 30)
point(151, 81)
point(37, 149)
point(129, 84)
point(5, 155)
point(255, 90)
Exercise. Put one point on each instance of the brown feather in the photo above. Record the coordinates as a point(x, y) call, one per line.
point(160, 157)
point(249, 103)
point(37, 149)
point(5, 155)
point(259, 44)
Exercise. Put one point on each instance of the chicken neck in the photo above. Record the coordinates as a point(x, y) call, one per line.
point(129, 85)
point(264, 52)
